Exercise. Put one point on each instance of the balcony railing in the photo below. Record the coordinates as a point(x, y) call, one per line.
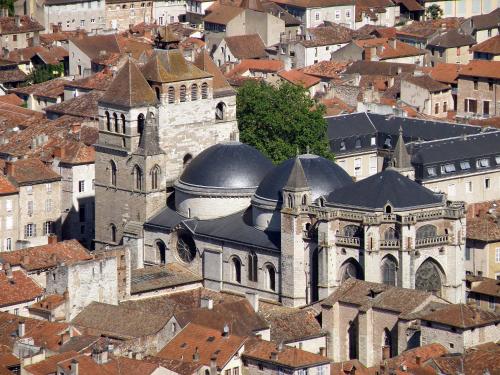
point(348, 241)
point(431, 241)
point(389, 244)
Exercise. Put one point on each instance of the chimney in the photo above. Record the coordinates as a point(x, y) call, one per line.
point(73, 367)
point(253, 298)
point(392, 43)
point(225, 331)
point(21, 328)
point(274, 356)
point(9, 168)
point(196, 355)
point(52, 239)
point(18, 20)
point(386, 352)
point(322, 351)
point(213, 366)
point(59, 152)
point(207, 303)
point(418, 360)
point(8, 270)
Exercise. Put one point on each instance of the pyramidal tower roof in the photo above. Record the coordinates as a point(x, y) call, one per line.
point(297, 180)
point(129, 89)
point(149, 143)
point(401, 159)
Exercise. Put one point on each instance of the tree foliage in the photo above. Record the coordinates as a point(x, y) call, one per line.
point(45, 73)
point(9, 5)
point(280, 120)
point(434, 12)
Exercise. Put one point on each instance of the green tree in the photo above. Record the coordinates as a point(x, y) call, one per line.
point(280, 120)
point(45, 73)
point(434, 12)
point(9, 5)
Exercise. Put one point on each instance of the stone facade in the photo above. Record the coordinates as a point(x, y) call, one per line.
point(120, 14)
point(84, 15)
point(9, 216)
point(477, 97)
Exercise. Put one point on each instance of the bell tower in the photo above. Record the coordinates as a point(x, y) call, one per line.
point(296, 198)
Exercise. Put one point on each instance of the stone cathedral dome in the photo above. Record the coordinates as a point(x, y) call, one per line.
point(220, 180)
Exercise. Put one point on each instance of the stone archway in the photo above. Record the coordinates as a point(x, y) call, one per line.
point(351, 269)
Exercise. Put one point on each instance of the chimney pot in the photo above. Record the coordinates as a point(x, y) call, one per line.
point(9, 168)
point(207, 303)
point(21, 328)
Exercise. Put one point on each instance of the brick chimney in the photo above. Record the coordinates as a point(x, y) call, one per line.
point(59, 152)
point(52, 239)
point(9, 168)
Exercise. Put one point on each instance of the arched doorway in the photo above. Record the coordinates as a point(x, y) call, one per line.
point(430, 277)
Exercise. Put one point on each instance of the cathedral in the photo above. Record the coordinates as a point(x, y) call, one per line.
point(173, 184)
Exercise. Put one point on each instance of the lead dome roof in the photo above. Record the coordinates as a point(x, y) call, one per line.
point(323, 177)
point(228, 165)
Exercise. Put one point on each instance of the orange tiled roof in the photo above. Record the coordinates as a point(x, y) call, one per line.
point(445, 72)
point(6, 187)
point(8, 25)
point(462, 316)
point(49, 303)
point(245, 65)
point(32, 171)
point(11, 99)
point(385, 49)
point(288, 356)
point(17, 289)
point(327, 69)
point(491, 46)
point(46, 256)
point(207, 342)
point(50, 89)
point(49, 365)
point(299, 78)
point(481, 68)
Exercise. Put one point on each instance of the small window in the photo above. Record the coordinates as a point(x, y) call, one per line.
point(490, 85)
point(476, 84)
point(464, 165)
point(497, 159)
point(358, 143)
point(171, 95)
point(204, 90)
point(194, 92)
point(431, 171)
point(342, 146)
point(447, 168)
point(48, 187)
point(487, 183)
point(29, 190)
point(182, 93)
point(483, 163)
point(373, 141)
point(81, 186)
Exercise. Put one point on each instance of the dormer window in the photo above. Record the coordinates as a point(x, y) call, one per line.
point(358, 143)
point(388, 142)
point(483, 163)
point(431, 171)
point(373, 141)
point(464, 165)
point(497, 159)
point(447, 168)
point(342, 146)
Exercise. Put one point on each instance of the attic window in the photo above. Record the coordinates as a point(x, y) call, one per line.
point(483, 163)
point(448, 168)
point(342, 146)
point(358, 143)
point(497, 159)
point(431, 171)
point(464, 165)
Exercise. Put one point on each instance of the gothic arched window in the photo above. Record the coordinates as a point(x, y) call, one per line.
point(236, 270)
point(352, 231)
point(155, 175)
point(138, 178)
point(112, 173)
point(182, 93)
point(204, 90)
point(304, 200)
point(389, 270)
point(108, 121)
point(426, 231)
point(391, 234)
point(270, 277)
point(220, 111)
point(171, 95)
point(140, 124)
point(351, 269)
point(429, 277)
point(194, 92)
point(290, 201)
point(115, 120)
point(123, 123)
point(252, 266)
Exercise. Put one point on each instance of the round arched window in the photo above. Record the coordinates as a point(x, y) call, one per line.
point(186, 248)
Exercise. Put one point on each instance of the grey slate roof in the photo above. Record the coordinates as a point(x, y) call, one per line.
point(388, 186)
point(401, 158)
point(230, 165)
point(237, 228)
point(323, 176)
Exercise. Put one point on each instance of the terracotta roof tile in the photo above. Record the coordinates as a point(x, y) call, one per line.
point(53, 89)
point(428, 83)
point(177, 366)
point(17, 289)
point(85, 106)
point(13, 75)
point(206, 341)
point(98, 81)
point(462, 316)
point(483, 227)
point(446, 73)
point(294, 325)
point(49, 303)
point(270, 352)
point(481, 68)
point(129, 88)
point(162, 277)
point(253, 65)
point(246, 46)
point(43, 333)
point(221, 14)
point(6, 187)
point(60, 36)
point(204, 62)
point(299, 78)
point(8, 25)
point(12, 115)
point(114, 366)
point(326, 69)
point(484, 285)
point(327, 35)
point(390, 48)
point(119, 321)
point(491, 46)
point(486, 21)
point(32, 171)
point(11, 99)
point(451, 39)
point(46, 256)
point(425, 29)
point(49, 365)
